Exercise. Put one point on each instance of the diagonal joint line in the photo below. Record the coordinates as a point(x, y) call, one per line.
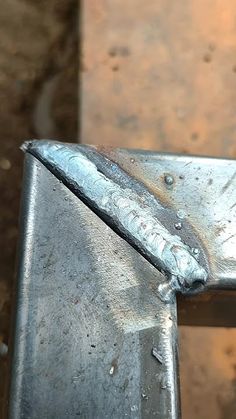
point(127, 206)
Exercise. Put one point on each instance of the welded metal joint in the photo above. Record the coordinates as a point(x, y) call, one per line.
point(127, 206)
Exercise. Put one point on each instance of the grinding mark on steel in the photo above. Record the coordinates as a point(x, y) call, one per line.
point(187, 164)
point(163, 382)
point(232, 206)
point(227, 185)
point(228, 238)
point(124, 209)
point(157, 355)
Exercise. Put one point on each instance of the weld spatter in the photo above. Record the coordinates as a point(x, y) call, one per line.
point(125, 210)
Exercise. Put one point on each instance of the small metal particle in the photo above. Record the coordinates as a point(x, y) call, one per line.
point(134, 408)
point(144, 396)
point(181, 214)
point(107, 189)
point(169, 180)
point(178, 226)
point(167, 290)
point(132, 160)
point(112, 369)
point(157, 355)
point(195, 251)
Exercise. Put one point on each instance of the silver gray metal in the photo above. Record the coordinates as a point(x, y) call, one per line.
point(92, 336)
point(88, 316)
point(128, 206)
point(202, 197)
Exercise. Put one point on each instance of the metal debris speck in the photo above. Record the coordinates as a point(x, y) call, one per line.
point(157, 355)
point(169, 180)
point(181, 214)
point(163, 383)
point(125, 204)
point(112, 370)
point(178, 226)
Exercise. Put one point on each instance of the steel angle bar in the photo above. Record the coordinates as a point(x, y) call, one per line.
point(88, 320)
point(108, 237)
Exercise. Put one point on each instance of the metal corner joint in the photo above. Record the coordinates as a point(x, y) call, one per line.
point(128, 207)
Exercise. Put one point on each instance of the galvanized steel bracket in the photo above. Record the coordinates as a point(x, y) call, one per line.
point(107, 239)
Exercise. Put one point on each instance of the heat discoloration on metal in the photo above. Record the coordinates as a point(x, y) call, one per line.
point(128, 161)
point(127, 206)
point(197, 191)
point(210, 216)
point(138, 165)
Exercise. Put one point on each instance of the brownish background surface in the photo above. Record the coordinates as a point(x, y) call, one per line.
point(161, 74)
point(38, 97)
point(157, 74)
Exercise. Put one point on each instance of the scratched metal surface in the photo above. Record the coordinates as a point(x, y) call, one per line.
point(203, 195)
point(201, 198)
point(88, 319)
point(165, 176)
point(128, 207)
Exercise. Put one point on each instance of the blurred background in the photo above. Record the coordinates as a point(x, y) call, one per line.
point(157, 74)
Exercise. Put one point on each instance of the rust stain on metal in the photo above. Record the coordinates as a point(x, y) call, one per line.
point(159, 190)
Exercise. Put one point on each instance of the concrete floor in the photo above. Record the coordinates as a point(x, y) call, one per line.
point(132, 93)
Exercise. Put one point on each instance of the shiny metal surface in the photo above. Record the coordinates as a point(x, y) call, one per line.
point(88, 316)
point(92, 336)
point(202, 197)
point(127, 206)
